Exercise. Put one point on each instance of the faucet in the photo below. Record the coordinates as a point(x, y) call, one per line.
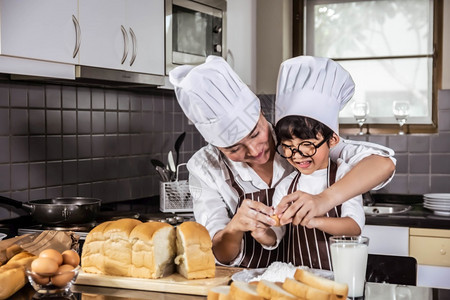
point(368, 199)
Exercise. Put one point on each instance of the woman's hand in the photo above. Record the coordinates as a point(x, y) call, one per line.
point(300, 207)
point(252, 216)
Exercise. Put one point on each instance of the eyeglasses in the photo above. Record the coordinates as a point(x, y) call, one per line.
point(305, 149)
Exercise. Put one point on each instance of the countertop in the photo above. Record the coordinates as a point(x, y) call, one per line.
point(418, 216)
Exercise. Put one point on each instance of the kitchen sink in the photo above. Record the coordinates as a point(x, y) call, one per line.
point(385, 209)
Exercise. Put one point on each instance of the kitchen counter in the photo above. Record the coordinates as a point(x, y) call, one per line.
point(373, 291)
point(418, 216)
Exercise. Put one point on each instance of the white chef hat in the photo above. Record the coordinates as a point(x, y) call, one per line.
point(314, 87)
point(221, 106)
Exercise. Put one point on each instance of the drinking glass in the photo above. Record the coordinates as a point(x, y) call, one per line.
point(401, 113)
point(360, 111)
point(349, 259)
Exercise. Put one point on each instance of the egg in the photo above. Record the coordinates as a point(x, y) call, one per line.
point(42, 280)
point(44, 266)
point(71, 257)
point(53, 254)
point(64, 275)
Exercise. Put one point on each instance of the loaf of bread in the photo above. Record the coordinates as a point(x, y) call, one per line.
point(220, 292)
point(128, 247)
point(339, 290)
point(272, 290)
point(240, 290)
point(194, 251)
point(12, 274)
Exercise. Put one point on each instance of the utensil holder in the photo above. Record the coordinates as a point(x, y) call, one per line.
point(175, 195)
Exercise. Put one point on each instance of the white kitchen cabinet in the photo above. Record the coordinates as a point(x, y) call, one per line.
point(123, 35)
point(388, 240)
point(43, 30)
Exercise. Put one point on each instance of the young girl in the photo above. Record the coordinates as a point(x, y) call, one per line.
point(307, 128)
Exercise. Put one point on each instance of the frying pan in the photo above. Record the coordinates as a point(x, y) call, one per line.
point(59, 211)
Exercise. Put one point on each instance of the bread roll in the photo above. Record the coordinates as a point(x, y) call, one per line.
point(194, 251)
point(304, 291)
point(153, 250)
point(271, 290)
point(12, 274)
point(340, 290)
point(128, 247)
point(244, 291)
point(221, 292)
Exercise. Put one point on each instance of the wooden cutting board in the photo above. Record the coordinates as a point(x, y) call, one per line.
point(174, 283)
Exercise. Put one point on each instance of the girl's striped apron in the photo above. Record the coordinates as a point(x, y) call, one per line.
point(309, 247)
point(255, 256)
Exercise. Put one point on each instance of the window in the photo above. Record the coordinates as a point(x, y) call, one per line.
point(391, 48)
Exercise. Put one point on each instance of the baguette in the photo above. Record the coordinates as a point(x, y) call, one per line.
point(221, 292)
point(271, 290)
point(340, 290)
point(304, 291)
point(244, 291)
point(12, 274)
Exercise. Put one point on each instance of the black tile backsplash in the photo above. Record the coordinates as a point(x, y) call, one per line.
point(58, 140)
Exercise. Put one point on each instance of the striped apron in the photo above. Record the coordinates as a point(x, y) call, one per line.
point(255, 256)
point(309, 247)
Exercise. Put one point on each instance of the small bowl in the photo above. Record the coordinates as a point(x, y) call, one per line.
point(62, 282)
point(2, 235)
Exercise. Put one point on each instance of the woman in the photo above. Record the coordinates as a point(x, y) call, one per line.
point(232, 179)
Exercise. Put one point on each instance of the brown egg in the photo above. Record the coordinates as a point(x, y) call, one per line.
point(71, 257)
point(44, 266)
point(53, 254)
point(42, 280)
point(64, 275)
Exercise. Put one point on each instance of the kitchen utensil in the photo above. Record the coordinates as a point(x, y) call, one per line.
point(163, 173)
point(171, 162)
point(177, 146)
point(157, 163)
point(59, 211)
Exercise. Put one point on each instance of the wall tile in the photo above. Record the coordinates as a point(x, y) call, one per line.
point(5, 177)
point(4, 149)
point(110, 100)
point(37, 121)
point(18, 96)
point(19, 121)
point(111, 146)
point(84, 146)
point(419, 143)
point(402, 163)
point(54, 191)
point(124, 101)
point(124, 122)
point(398, 185)
point(20, 146)
point(440, 164)
point(54, 147)
point(69, 147)
point(70, 190)
point(419, 163)
point(440, 143)
point(85, 190)
point(84, 122)
point(440, 184)
point(111, 122)
point(19, 176)
point(83, 98)
point(37, 176)
point(398, 143)
point(37, 148)
point(84, 170)
point(70, 171)
point(4, 95)
point(98, 146)
point(69, 122)
point(36, 96)
point(98, 122)
point(444, 99)
point(98, 99)
point(53, 96)
point(4, 121)
point(54, 173)
point(53, 122)
point(69, 97)
point(444, 120)
point(135, 103)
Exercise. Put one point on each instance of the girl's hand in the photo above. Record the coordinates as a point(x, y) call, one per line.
point(252, 216)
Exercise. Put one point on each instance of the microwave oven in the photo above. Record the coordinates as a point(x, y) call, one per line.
point(194, 30)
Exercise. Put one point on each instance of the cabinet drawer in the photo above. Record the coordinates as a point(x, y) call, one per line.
point(434, 251)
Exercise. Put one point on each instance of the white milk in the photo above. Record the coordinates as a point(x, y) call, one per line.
point(349, 266)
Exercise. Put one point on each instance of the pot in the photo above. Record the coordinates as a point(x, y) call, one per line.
point(59, 211)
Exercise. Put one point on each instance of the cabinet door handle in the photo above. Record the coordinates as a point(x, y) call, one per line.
point(134, 41)
point(125, 44)
point(77, 36)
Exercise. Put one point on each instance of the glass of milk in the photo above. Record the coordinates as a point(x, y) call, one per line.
point(349, 260)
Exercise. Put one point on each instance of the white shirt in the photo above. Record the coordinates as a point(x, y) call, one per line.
point(314, 184)
point(215, 200)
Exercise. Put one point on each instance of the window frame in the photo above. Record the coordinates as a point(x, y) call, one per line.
point(298, 46)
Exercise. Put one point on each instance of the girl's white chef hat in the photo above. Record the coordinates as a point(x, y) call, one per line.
point(314, 87)
point(213, 97)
